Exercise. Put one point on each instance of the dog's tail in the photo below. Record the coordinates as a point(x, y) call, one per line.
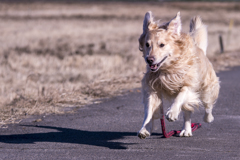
point(199, 33)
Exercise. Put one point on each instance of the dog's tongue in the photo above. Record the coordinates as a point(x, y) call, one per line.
point(153, 66)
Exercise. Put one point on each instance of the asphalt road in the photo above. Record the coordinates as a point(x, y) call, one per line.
point(109, 131)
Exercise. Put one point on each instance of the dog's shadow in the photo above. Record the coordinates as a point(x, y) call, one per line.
point(74, 136)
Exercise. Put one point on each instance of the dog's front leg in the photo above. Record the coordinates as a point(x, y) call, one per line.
point(187, 129)
point(175, 109)
point(151, 104)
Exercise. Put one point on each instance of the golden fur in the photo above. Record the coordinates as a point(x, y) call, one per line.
point(180, 71)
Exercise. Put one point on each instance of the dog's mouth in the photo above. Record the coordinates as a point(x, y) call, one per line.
point(155, 67)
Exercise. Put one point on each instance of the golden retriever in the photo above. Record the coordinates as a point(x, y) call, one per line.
point(177, 69)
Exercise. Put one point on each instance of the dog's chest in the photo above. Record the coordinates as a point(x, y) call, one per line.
point(171, 83)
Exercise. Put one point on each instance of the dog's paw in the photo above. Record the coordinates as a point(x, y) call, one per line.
point(143, 133)
point(172, 115)
point(208, 117)
point(185, 133)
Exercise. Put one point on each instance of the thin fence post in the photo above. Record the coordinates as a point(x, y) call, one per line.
point(230, 28)
point(221, 44)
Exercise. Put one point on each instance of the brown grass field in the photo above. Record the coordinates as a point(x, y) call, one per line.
point(56, 57)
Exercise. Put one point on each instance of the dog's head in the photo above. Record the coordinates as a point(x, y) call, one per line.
point(157, 40)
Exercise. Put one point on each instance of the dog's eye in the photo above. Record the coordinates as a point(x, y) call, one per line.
point(147, 45)
point(162, 45)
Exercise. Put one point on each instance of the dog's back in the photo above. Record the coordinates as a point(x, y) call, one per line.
point(199, 33)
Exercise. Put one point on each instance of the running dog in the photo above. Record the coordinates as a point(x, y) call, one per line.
point(177, 69)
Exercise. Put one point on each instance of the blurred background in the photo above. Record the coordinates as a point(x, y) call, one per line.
point(56, 56)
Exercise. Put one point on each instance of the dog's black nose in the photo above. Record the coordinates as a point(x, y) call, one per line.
point(150, 59)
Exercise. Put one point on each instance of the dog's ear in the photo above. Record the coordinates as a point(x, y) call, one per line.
point(148, 19)
point(147, 23)
point(175, 25)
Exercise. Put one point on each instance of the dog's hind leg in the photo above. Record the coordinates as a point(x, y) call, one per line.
point(209, 97)
point(187, 129)
point(208, 117)
point(151, 107)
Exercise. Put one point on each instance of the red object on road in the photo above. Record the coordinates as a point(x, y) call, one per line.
point(194, 126)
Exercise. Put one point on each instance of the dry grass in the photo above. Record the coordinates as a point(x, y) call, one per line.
point(55, 56)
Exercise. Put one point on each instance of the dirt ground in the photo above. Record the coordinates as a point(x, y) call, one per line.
point(65, 55)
